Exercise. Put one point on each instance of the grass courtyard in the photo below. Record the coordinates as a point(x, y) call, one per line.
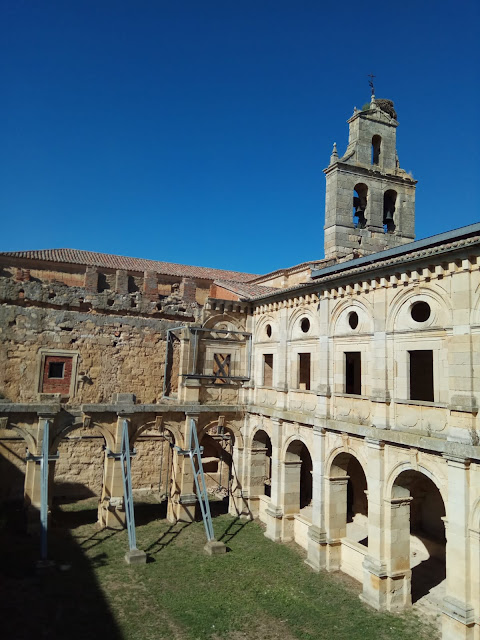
point(258, 590)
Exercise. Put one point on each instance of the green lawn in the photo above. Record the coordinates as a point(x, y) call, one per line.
point(258, 590)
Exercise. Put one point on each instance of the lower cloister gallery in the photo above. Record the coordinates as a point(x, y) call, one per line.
point(335, 400)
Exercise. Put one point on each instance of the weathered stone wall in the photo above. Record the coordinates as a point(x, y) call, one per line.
point(115, 354)
point(12, 466)
point(79, 469)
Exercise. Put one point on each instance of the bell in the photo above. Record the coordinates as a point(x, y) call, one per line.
point(389, 216)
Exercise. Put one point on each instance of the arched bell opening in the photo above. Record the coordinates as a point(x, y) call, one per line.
point(376, 149)
point(360, 200)
point(420, 534)
point(217, 462)
point(389, 205)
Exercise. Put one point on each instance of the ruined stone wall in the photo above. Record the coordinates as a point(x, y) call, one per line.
point(79, 468)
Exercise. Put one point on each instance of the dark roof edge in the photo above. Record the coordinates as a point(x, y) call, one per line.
point(398, 251)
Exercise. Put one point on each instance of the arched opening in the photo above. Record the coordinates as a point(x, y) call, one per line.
point(152, 473)
point(76, 476)
point(298, 486)
point(420, 535)
point(389, 201)
point(360, 199)
point(12, 482)
point(348, 506)
point(217, 461)
point(261, 464)
point(376, 149)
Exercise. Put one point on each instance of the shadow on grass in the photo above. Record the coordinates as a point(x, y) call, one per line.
point(233, 529)
point(167, 537)
point(63, 601)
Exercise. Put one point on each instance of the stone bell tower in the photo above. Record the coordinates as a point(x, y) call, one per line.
point(370, 201)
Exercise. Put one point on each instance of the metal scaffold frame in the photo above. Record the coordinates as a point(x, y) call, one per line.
point(127, 486)
point(195, 454)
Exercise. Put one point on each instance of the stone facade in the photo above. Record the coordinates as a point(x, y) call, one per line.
point(336, 401)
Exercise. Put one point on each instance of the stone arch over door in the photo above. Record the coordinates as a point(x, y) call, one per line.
point(415, 537)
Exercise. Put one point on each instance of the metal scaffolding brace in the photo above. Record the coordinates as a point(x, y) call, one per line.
point(44, 491)
point(127, 486)
point(195, 454)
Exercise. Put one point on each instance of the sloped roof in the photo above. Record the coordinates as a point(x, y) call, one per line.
point(109, 261)
point(245, 290)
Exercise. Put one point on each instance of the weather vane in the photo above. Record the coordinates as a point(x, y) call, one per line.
point(370, 82)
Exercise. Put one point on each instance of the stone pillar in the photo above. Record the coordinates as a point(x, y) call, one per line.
point(397, 549)
point(274, 511)
point(188, 290)
point(374, 565)
point(336, 510)
point(237, 504)
point(291, 496)
point(458, 613)
point(121, 281)
point(111, 509)
point(317, 536)
point(150, 285)
point(256, 475)
point(91, 280)
point(184, 501)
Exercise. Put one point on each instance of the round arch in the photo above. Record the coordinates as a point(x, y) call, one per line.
point(334, 453)
point(218, 318)
point(420, 294)
point(174, 430)
point(239, 442)
point(407, 466)
point(29, 439)
point(293, 332)
point(352, 304)
point(107, 435)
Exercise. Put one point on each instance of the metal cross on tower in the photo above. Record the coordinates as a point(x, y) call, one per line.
point(370, 82)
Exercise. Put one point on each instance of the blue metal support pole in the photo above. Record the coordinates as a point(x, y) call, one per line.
point(127, 486)
point(199, 477)
point(44, 490)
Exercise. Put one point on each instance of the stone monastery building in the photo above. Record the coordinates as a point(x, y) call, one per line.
point(337, 400)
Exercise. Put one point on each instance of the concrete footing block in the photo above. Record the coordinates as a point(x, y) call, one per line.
point(135, 556)
point(214, 548)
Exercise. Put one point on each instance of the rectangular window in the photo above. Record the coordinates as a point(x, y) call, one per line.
point(56, 369)
point(421, 375)
point(221, 366)
point(268, 370)
point(304, 371)
point(57, 375)
point(353, 373)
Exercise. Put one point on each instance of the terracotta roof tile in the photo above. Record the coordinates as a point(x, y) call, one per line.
point(105, 260)
point(245, 290)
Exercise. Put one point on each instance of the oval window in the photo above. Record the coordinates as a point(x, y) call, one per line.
point(353, 320)
point(305, 325)
point(268, 330)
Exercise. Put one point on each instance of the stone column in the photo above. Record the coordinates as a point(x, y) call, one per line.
point(397, 549)
point(291, 496)
point(256, 475)
point(184, 502)
point(237, 504)
point(111, 509)
point(374, 565)
point(33, 487)
point(336, 511)
point(317, 537)
point(458, 613)
point(274, 511)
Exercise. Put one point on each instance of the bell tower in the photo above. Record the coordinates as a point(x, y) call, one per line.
point(370, 201)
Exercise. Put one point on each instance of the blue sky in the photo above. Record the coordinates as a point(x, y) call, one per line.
point(197, 131)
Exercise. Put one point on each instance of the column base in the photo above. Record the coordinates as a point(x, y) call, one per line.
point(274, 523)
point(111, 514)
point(458, 620)
point(316, 550)
point(184, 510)
point(135, 556)
point(214, 548)
point(374, 584)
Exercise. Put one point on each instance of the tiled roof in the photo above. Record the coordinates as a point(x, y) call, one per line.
point(105, 260)
point(245, 290)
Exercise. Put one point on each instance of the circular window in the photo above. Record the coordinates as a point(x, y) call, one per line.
point(305, 325)
point(353, 320)
point(420, 311)
point(268, 330)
